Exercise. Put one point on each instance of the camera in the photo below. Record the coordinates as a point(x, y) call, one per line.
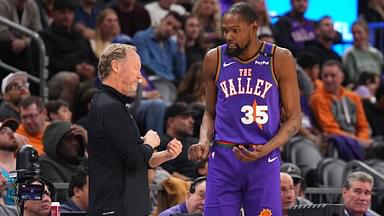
point(27, 171)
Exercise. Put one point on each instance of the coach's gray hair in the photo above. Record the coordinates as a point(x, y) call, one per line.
point(114, 51)
point(357, 176)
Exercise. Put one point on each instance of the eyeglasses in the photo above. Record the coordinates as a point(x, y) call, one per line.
point(17, 86)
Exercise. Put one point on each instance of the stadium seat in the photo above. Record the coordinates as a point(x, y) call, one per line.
point(330, 174)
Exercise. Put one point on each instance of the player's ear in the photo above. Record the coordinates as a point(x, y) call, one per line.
point(255, 27)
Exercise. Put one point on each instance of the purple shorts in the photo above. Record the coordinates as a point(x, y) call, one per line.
point(233, 184)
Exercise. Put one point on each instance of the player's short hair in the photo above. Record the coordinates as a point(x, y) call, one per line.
point(244, 10)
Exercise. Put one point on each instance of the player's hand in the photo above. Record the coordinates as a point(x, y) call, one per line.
point(174, 148)
point(251, 154)
point(198, 151)
point(152, 138)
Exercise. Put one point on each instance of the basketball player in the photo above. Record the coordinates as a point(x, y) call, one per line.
point(252, 109)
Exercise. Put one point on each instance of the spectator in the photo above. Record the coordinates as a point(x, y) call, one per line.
point(70, 56)
point(194, 202)
point(64, 145)
point(375, 113)
point(194, 49)
point(107, 27)
point(191, 90)
point(375, 11)
point(77, 200)
point(85, 18)
point(179, 124)
point(311, 66)
point(39, 207)
point(45, 10)
point(298, 182)
point(292, 30)
point(5, 210)
point(265, 25)
point(58, 110)
point(337, 110)
point(67, 49)
point(159, 52)
point(8, 149)
point(33, 122)
point(325, 37)
point(14, 88)
point(287, 192)
point(367, 85)
point(308, 76)
point(15, 47)
point(86, 100)
point(208, 12)
point(160, 8)
point(362, 57)
point(132, 16)
point(357, 194)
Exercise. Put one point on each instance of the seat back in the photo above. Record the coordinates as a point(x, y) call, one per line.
point(304, 153)
point(330, 174)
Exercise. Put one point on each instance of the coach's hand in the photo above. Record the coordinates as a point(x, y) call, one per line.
point(198, 151)
point(251, 154)
point(152, 138)
point(174, 148)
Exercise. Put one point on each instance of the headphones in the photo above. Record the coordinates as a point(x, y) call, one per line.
point(195, 182)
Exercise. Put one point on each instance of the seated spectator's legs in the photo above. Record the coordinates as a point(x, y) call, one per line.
point(151, 114)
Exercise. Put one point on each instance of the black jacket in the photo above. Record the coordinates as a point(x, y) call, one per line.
point(118, 158)
point(66, 49)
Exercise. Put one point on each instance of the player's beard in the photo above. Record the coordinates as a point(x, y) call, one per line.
point(237, 51)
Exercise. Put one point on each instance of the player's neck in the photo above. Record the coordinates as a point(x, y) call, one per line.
point(253, 48)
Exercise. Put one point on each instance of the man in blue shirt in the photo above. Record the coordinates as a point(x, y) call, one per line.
point(194, 203)
point(159, 52)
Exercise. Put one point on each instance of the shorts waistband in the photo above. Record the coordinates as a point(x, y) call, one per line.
point(231, 145)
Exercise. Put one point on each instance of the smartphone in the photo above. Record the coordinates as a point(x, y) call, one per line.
point(30, 191)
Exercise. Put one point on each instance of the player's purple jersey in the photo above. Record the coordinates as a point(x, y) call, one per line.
point(248, 99)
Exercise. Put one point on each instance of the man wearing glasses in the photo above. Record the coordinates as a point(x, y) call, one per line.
point(33, 122)
point(14, 88)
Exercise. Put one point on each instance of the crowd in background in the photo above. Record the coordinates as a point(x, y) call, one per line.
point(342, 96)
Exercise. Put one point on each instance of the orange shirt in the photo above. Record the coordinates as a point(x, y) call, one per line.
point(318, 84)
point(321, 102)
point(36, 141)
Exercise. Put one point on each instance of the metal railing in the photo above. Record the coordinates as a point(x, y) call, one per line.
point(43, 60)
point(359, 165)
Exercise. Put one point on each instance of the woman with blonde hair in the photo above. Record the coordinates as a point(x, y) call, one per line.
point(209, 14)
point(107, 27)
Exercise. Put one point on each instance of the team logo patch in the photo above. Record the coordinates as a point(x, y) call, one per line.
point(265, 212)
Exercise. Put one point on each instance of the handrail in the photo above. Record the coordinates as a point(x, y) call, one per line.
point(13, 69)
point(353, 164)
point(43, 60)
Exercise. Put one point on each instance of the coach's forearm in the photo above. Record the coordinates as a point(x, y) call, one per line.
point(158, 158)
